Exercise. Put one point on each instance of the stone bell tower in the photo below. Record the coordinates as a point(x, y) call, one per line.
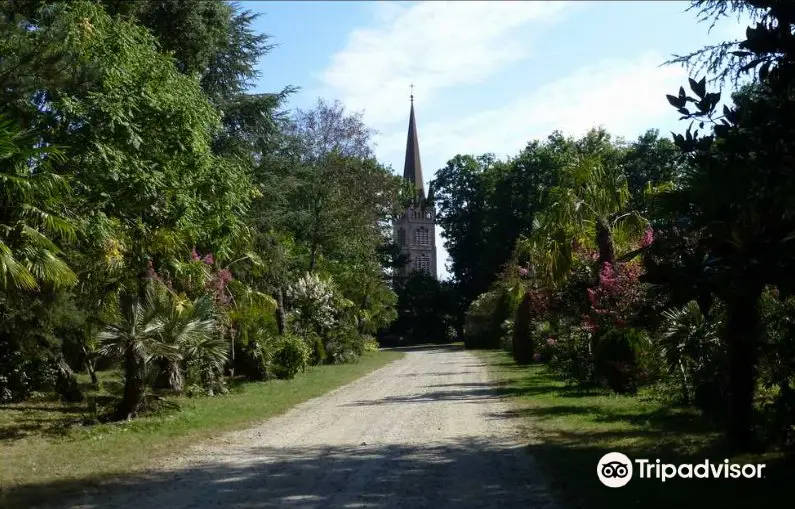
point(415, 231)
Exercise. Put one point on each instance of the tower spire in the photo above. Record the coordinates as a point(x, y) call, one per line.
point(412, 170)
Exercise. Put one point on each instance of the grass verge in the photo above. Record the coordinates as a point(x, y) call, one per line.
point(43, 460)
point(569, 430)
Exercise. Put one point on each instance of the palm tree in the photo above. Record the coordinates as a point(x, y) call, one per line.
point(135, 339)
point(689, 342)
point(189, 328)
point(589, 205)
point(28, 256)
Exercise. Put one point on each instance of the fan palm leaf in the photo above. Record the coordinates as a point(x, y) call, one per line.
point(27, 255)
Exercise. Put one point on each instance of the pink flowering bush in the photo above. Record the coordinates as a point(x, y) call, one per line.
point(581, 312)
point(617, 350)
point(202, 276)
point(648, 237)
point(618, 296)
point(571, 355)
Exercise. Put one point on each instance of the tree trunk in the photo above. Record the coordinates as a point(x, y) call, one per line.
point(133, 389)
point(604, 239)
point(742, 340)
point(315, 237)
point(66, 383)
point(281, 317)
point(92, 372)
point(89, 363)
point(176, 380)
point(359, 319)
point(232, 356)
point(312, 256)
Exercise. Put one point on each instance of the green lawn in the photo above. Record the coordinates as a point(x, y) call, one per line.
point(568, 431)
point(46, 453)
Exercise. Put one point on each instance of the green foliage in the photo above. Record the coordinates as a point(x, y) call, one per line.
point(694, 356)
point(522, 340)
point(619, 355)
point(29, 217)
point(425, 310)
point(290, 357)
point(142, 148)
point(483, 326)
point(370, 344)
point(777, 367)
point(734, 207)
point(20, 376)
point(590, 206)
point(570, 355)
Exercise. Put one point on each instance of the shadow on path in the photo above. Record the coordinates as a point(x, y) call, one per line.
point(463, 474)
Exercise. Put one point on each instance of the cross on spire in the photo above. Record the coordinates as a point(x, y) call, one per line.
point(412, 92)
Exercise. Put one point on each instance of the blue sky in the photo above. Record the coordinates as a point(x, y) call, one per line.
point(488, 76)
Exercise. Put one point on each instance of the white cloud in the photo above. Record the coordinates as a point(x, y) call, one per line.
point(624, 96)
point(435, 45)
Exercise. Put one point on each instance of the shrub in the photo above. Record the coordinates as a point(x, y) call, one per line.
point(256, 359)
point(344, 345)
point(777, 367)
point(506, 340)
point(619, 296)
point(290, 357)
point(19, 376)
point(204, 377)
point(619, 356)
point(317, 349)
point(522, 343)
point(483, 323)
point(693, 353)
point(312, 299)
point(369, 344)
point(570, 355)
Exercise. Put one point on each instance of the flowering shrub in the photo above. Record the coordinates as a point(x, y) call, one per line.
point(648, 237)
point(615, 300)
point(312, 299)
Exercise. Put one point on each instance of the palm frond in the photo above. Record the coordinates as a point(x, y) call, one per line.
point(14, 272)
point(27, 255)
point(628, 228)
point(49, 222)
point(44, 265)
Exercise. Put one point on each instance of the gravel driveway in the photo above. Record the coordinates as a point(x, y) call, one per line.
point(425, 431)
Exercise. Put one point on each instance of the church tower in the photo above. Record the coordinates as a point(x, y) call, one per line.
point(414, 231)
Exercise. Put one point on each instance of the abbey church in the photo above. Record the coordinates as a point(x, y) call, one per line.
point(414, 231)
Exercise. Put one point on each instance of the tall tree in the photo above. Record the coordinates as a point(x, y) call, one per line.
point(736, 205)
point(336, 185)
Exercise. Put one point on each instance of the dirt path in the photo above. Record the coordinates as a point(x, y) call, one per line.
point(424, 431)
